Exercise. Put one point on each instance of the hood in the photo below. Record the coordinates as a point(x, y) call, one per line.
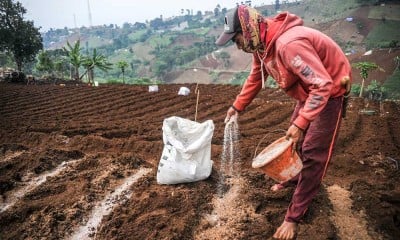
point(277, 26)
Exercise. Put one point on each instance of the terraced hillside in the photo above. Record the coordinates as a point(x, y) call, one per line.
point(79, 162)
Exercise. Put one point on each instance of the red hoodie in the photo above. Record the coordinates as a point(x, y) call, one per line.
point(306, 64)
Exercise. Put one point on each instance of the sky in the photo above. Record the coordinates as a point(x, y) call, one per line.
point(74, 13)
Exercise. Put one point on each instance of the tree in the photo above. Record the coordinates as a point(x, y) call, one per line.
point(61, 66)
point(122, 65)
point(277, 5)
point(75, 58)
point(160, 67)
point(44, 64)
point(60, 62)
point(96, 60)
point(18, 37)
point(217, 10)
point(364, 68)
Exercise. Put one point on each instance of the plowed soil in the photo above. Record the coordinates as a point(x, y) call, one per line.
point(65, 149)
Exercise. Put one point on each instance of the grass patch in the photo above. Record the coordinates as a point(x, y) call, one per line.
point(121, 55)
point(321, 10)
point(137, 35)
point(160, 40)
point(198, 31)
point(392, 85)
point(383, 35)
point(388, 12)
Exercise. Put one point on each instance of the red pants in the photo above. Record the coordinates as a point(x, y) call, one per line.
point(315, 150)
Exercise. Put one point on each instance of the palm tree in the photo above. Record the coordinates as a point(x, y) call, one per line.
point(96, 60)
point(75, 58)
point(122, 65)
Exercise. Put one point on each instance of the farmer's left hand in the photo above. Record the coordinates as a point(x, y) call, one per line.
point(231, 113)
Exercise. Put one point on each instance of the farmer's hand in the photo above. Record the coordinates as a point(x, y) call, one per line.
point(295, 133)
point(231, 113)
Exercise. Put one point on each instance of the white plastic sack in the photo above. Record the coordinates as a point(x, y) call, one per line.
point(184, 91)
point(186, 156)
point(153, 88)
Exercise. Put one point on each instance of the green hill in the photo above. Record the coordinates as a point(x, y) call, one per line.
point(182, 49)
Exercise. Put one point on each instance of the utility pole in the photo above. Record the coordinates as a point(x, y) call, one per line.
point(76, 26)
point(90, 14)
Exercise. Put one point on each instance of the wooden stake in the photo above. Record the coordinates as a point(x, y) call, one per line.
point(197, 91)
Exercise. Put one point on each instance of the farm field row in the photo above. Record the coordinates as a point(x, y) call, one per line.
point(71, 154)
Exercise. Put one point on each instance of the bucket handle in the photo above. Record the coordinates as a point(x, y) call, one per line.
point(268, 133)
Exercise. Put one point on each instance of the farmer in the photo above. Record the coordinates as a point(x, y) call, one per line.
point(311, 68)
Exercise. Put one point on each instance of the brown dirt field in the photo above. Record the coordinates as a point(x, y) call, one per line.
point(63, 150)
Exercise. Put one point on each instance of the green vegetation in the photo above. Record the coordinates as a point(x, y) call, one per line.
point(18, 37)
point(151, 50)
point(122, 65)
point(365, 68)
point(137, 36)
point(386, 35)
point(239, 78)
point(271, 83)
point(321, 10)
point(385, 13)
point(197, 31)
point(376, 91)
point(162, 40)
point(75, 58)
point(45, 64)
point(95, 61)
point(355, 89)
point(96, 42)
point(389, 89)
point(392, 84)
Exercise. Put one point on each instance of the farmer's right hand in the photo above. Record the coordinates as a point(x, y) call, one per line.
point(230, 114)
point(294, 132)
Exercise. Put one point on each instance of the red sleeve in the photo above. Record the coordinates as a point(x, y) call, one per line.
point(251, 86)
point(302, 59)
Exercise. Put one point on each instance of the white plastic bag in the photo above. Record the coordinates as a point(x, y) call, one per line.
point(186, 156)
point(184, 91)
point(153, 88)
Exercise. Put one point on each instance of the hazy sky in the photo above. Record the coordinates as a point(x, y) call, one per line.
point(64, 13)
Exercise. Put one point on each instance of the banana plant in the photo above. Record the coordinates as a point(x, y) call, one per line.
point(75, 58)
point(95, 61)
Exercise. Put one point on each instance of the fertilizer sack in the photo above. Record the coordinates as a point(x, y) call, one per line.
point(186, 156)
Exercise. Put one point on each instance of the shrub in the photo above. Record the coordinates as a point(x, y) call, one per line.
point(376, 91)
point(239, 78)
point(355, 89)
